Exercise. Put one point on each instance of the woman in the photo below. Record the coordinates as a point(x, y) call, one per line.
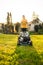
point(24, 24)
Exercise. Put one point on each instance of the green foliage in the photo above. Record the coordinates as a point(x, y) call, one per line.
point(17, 27)
point(36, 28)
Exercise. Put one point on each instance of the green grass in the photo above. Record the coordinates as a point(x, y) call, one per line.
point(11, 54)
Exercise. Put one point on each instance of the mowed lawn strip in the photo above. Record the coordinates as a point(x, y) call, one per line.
point(31, 55)
point(11, 54)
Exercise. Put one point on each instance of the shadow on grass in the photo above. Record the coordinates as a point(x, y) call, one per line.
point(27, 55)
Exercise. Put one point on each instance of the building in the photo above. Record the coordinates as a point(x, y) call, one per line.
point(35, 21)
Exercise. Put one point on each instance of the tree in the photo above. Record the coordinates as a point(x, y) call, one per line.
point(12, 29)
point(17, 26)
point(40, 26)
point(36, 27)
point(3, 28)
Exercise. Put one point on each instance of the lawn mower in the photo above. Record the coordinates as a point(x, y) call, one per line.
point(24, 38)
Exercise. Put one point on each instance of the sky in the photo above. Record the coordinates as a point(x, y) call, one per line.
point(19, 8)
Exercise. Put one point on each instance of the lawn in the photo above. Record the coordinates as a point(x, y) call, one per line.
point(11, 54)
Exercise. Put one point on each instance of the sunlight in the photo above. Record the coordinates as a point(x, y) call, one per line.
point(20, 7)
